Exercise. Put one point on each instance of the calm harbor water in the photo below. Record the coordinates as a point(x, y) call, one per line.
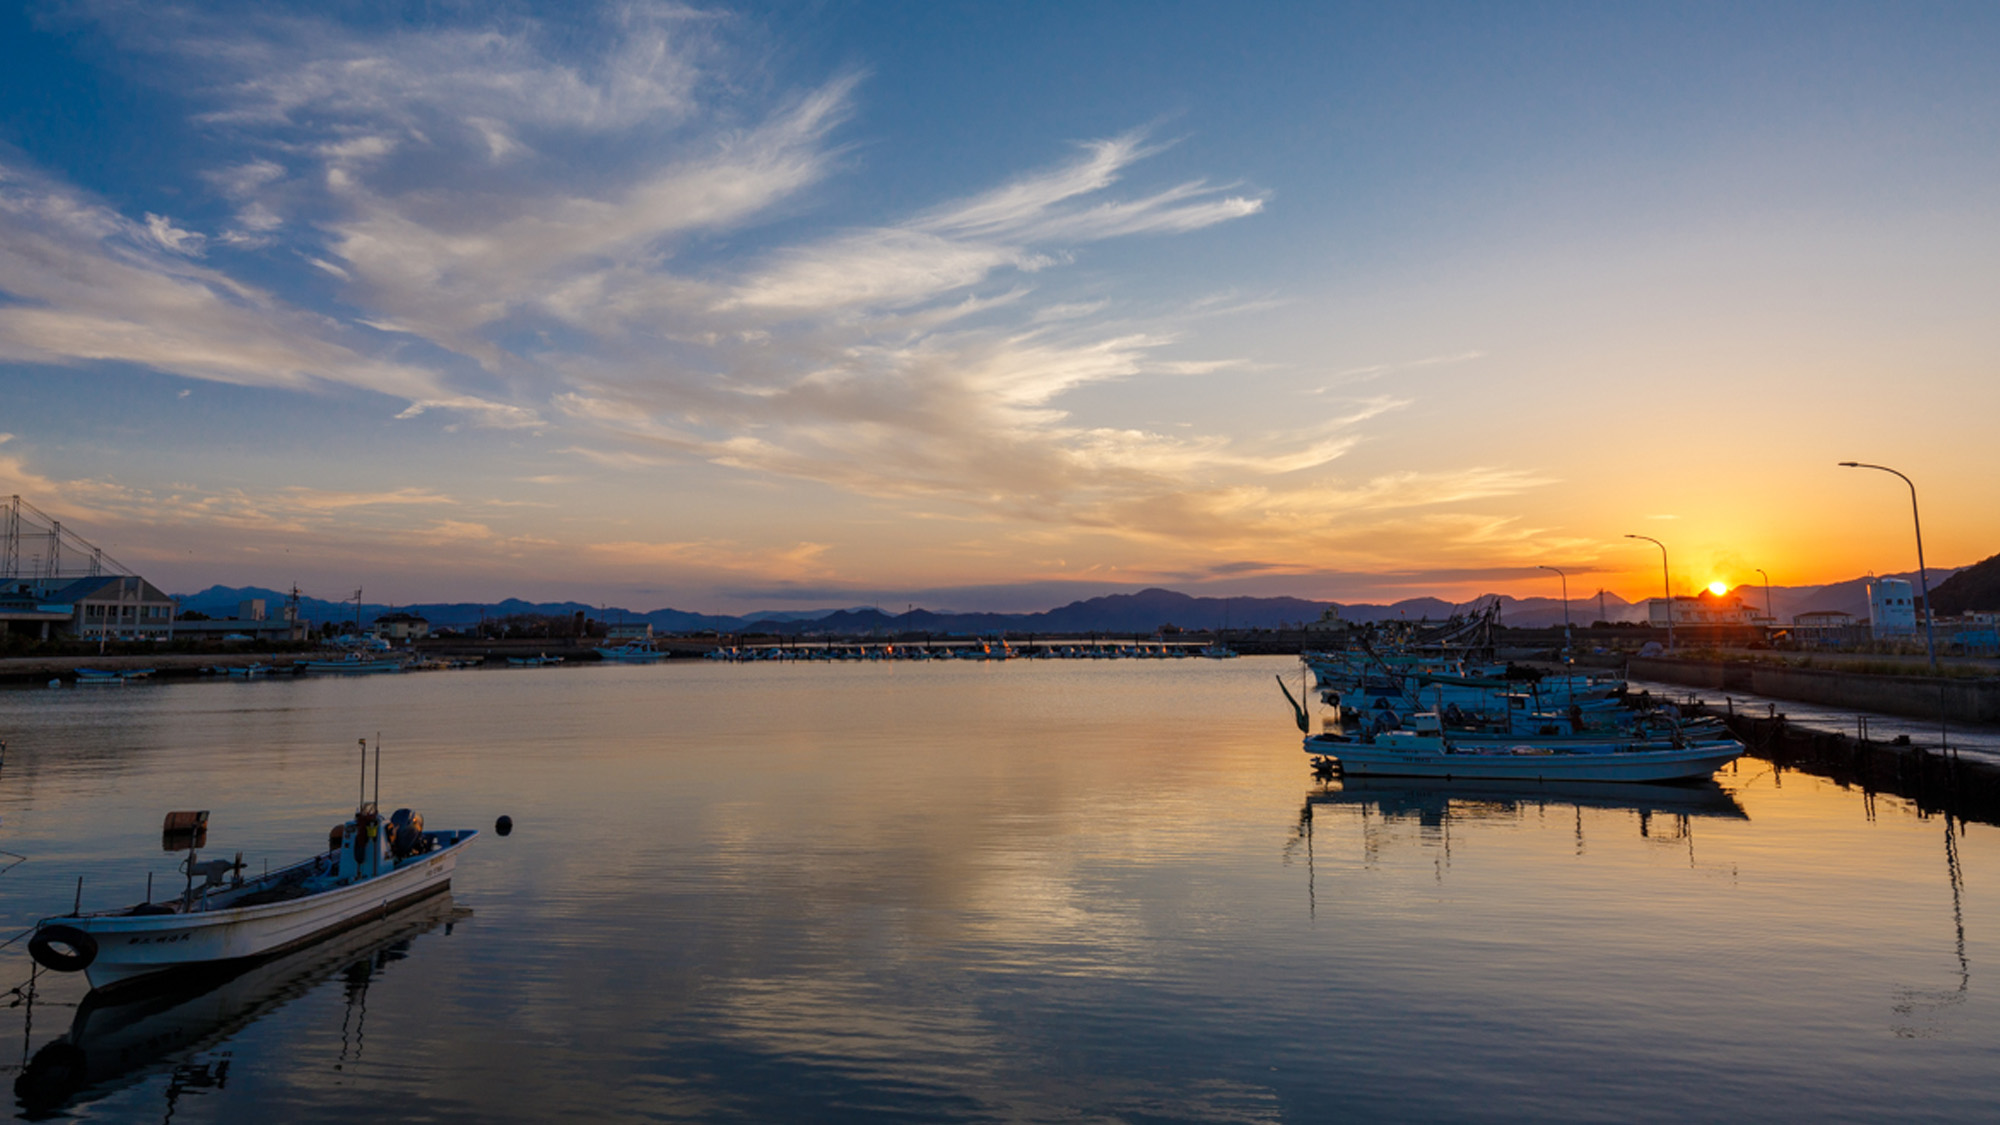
point(1024, 891)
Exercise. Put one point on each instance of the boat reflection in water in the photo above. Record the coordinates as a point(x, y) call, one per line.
point(1431, 801)
point(121, 1038)
point(1435, 805)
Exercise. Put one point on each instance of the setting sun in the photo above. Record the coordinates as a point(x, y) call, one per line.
point(1718, 587)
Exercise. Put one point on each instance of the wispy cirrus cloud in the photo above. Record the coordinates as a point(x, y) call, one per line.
point(613, 229)
point(88, 284)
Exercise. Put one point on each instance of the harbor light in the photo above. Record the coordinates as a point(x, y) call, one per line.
point(1923, 576)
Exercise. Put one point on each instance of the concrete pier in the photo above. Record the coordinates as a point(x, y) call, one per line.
point(1935, 783)
point(1959, 699)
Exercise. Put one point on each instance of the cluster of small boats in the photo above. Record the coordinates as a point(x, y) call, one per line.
point(968, 650)
point(111, 676)
point(1428, 707)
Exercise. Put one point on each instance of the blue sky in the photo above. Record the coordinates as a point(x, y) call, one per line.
point(722, 306)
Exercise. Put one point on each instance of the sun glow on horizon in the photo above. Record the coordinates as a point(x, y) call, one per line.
point(1718, 587)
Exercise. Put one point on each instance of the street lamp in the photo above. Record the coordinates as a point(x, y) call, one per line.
point(1565, 582)
point(1767, 595)
point(1923, 577)
point(1666, 583)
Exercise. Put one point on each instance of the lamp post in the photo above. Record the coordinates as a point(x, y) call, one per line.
point(1767, 595)
point(1923, 577)
point(1569, 677)
point(1565, 582)
point(1666, 583)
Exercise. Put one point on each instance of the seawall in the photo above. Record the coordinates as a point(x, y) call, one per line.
point(1964, 700)
point(1934, 782)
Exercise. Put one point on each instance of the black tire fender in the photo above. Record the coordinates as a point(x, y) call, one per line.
point(78, 950)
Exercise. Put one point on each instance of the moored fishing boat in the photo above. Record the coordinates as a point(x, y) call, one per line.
point(118, 1037)
point(1432, 752)
point(355, 663)
point(372, 866)
point(632, 652)
point(114, 676)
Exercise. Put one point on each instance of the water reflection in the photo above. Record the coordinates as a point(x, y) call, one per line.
point(1920, 1012)
point(1020, 892)
point(1431, 801)
point(121, 1039)
point(1664, 813)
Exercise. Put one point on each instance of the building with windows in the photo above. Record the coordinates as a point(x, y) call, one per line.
point(1892, 608)
point(117, 607)
point(1827, 628)
point(401, 627)
point(1705, 608)
point(54, 581)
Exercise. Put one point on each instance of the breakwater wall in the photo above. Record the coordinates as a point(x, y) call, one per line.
point(1964, 700)
point(1937, 783)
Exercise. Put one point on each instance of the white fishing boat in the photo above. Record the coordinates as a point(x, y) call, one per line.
point(541, 661)
point(117, 1038)
point(632, 652)
point(1430, 752)
point(372, 866)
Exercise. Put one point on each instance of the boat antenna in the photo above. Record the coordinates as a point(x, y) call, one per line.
point(361, 798)
point(378, 773)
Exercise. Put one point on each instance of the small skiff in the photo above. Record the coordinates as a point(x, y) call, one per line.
point(372, 866)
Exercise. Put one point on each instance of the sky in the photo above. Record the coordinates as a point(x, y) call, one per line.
point(993, 306)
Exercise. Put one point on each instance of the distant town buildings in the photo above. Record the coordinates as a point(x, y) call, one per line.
point(252, 623)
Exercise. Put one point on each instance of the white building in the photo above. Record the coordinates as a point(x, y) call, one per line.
point(1704, 608)
point(1892, 609)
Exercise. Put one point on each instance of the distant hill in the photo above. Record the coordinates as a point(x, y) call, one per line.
point(1140, 612)
point(1850, 596)
point(1977, 587)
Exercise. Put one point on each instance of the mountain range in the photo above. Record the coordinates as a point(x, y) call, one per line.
point(1140, 612)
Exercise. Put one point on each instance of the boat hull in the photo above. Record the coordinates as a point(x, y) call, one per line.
point(1499, 764)
point(132, 947)
point(122, 1037)
point(354, 667)
point(630, 656)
